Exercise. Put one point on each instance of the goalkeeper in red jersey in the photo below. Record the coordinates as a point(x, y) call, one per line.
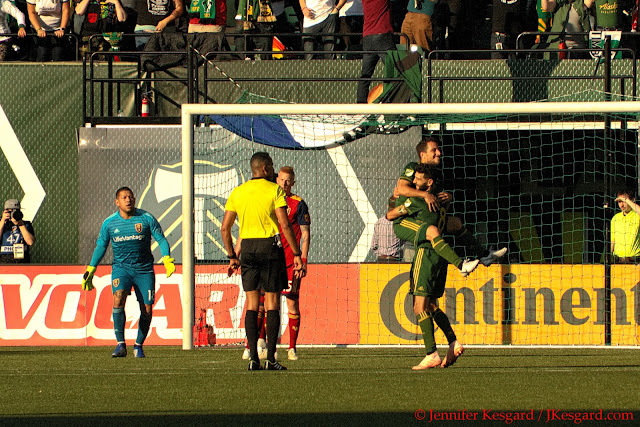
point(298, 213)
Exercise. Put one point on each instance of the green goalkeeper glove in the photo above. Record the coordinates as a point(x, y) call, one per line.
point(169, 265)
point(87, 279)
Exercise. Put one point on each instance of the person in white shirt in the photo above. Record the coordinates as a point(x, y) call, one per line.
point(320, 17)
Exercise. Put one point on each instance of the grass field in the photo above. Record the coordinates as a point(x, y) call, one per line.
point(327, 386)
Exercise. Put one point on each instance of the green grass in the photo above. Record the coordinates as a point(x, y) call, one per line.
point(328, 386)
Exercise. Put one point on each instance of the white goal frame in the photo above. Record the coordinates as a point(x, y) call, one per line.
point(191, 110)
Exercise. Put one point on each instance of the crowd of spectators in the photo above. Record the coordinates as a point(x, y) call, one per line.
point(42, 29)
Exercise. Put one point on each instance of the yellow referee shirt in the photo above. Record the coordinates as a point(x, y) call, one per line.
point(255, 203)
point(624, 234)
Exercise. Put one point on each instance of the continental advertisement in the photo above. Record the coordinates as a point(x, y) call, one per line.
point(341, 304)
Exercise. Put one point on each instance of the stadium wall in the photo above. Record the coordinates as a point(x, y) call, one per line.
point(342, 304)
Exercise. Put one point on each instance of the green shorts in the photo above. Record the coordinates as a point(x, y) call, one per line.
point(412, 230)
point(428, 273)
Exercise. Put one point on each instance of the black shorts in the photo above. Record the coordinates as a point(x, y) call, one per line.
point(263, 266)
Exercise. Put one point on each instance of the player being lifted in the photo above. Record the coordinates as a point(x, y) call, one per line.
point(429, 153)
point(429, 268)
point(130, 231)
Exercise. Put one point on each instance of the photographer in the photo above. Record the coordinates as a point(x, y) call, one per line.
point(17, 235)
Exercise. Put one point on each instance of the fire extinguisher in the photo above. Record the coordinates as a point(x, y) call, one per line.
point(562, 54)
point(145, 106)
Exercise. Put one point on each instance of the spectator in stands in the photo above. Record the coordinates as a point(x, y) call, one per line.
point(17, 234)
point(377, 36)
point(7, 8)
point(608, 14)
point(97, 17)
point(207, 25)
point(288, 21)
point(510, 18)
point(398, 12)
point(320, 17)
point(352, 21)
point(569, 17)
point(417, 23)
point(257, 17)
point(50, 16)
point(159, 16)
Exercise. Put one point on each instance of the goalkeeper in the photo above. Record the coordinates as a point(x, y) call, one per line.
point(130, 230)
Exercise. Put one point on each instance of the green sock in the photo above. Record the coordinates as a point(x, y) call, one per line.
point(443, 249)
point(426, 324)
point(443, 323)
point(469, 241)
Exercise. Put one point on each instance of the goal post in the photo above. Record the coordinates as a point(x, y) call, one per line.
point(486, 143)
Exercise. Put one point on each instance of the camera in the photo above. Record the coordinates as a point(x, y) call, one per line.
point(17, 215)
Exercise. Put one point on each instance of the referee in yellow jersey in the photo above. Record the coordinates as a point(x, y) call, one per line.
point(260, 206)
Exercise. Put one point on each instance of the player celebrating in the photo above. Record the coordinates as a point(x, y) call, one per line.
point(130, 230)
point(300, 220)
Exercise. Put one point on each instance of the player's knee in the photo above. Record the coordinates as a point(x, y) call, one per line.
point(119, 298)
point(146, 310)
point(432, 232)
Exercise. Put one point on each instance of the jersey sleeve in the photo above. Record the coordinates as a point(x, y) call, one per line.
point(280, 201)
point(158, 235)
point(408, 171)
point(230, 205)
point(302, 215)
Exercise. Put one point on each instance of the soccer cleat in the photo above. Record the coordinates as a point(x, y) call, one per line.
point(493, 256)
point(273, 366)
point(245, 354)
point(468, 266)
point(255, 366)
point(430, 361)
point(137, 351)
point(292, 355)
point(120, 351)
point(455, 350)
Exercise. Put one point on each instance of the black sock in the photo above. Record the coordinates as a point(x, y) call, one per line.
point(251, 329)
point(273, 326)
point(443, 323)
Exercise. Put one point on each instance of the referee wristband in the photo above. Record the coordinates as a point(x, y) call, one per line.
point(304, 260)
point(234, 256)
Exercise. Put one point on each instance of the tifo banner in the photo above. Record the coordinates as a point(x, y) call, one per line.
point(340, 304)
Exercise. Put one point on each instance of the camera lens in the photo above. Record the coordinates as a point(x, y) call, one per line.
point(17, 215)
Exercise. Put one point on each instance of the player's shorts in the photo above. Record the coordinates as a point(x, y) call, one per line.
point(143, 282)
point(292, 291)
point(262, 265)
point(428, 273)
point(412, 230)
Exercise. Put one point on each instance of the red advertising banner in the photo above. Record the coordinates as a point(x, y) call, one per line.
point(45, 305)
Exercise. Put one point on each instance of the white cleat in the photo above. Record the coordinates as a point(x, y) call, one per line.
point(245, 354)
point(493, 256)
point(468, 266)
point(430, 361)
point(292, 355)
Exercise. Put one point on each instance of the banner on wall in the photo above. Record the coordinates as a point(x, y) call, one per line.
point(45, 305)
point(340, 304)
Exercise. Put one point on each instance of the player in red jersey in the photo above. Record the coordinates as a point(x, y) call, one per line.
point(300, 220)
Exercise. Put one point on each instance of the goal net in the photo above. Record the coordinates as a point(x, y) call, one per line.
point(537, 178)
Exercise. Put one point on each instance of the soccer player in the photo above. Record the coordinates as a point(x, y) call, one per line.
point(625, 229)
point(298, 213)
point(260, 206)
point(429, 153)
point(429, 271)
point(130, 230)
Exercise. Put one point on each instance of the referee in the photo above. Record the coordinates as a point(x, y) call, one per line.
point(260, 206)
